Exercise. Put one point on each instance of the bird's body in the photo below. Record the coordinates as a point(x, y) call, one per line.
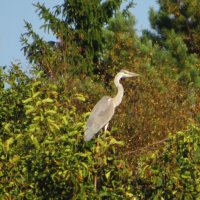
point(105, 108)
point(99, 117)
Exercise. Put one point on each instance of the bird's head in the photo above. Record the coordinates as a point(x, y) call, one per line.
point(124, 73)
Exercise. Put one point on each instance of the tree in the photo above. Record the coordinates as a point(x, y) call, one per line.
point(177, 33)
point(77, 26)
point(183, 17)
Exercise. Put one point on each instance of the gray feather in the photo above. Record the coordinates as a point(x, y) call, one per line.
point(99, 117)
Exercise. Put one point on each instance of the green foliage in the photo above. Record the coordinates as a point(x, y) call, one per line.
point(42, 116)
point(182, 17)
point(179, 51)
point(45, 157)
point(174, 172)
point(14, 85)
point(77, 26)
point(120, 45)
point(177, 32)
point(155, 103)
point(174, 59)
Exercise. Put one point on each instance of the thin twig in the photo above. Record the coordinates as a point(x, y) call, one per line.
point(95, 183)
point(148, 146)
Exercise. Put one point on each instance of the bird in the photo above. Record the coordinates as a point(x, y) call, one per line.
point(104, 110)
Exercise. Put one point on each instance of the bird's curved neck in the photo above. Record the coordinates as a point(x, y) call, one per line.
point(118, 98)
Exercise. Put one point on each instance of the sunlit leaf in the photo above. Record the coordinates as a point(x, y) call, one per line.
point(27, 100)
point(47, 100)
point(108, 174)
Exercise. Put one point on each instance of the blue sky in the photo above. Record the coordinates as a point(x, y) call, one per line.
point(13, 14)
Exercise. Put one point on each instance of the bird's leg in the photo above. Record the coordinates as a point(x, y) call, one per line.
point(105, 130)
point(96, 159)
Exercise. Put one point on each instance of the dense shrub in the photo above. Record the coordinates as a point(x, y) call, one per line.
point(43, 155)
point(174, 172)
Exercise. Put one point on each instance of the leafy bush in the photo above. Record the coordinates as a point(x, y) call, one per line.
point(173, 173)
point(45, 157)
point(11, 107)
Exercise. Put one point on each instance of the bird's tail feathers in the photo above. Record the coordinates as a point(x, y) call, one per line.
point(88, 135)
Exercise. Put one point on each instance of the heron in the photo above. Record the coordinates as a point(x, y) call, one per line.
point(104, 110)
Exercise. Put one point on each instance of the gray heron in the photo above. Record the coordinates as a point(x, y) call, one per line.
point(105, 108)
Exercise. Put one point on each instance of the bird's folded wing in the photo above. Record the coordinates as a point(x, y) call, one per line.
point(100, 115)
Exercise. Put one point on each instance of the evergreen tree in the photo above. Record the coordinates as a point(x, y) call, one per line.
point(77, 26)
point(119, 44)
point(183, 17)
point(177, 31)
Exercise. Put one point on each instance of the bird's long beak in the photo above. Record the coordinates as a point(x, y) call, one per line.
point(132, 74)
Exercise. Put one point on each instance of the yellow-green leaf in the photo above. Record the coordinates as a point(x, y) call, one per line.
point(36, 94)
point(80, 97)
point(114, 141)
point(108, 174)
point(38, 103)
point(55, 126)
point(84, 165)
point(37, 118)
point(30, 111)
point(64, 118)
point(36, 83)
point(14, 159)
point(7, 127)
point(27, 100)
point(51, 112)
point(47, 100)
point(28, 107)
point(130, 195)
point(35, 141)
point(8, 143)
